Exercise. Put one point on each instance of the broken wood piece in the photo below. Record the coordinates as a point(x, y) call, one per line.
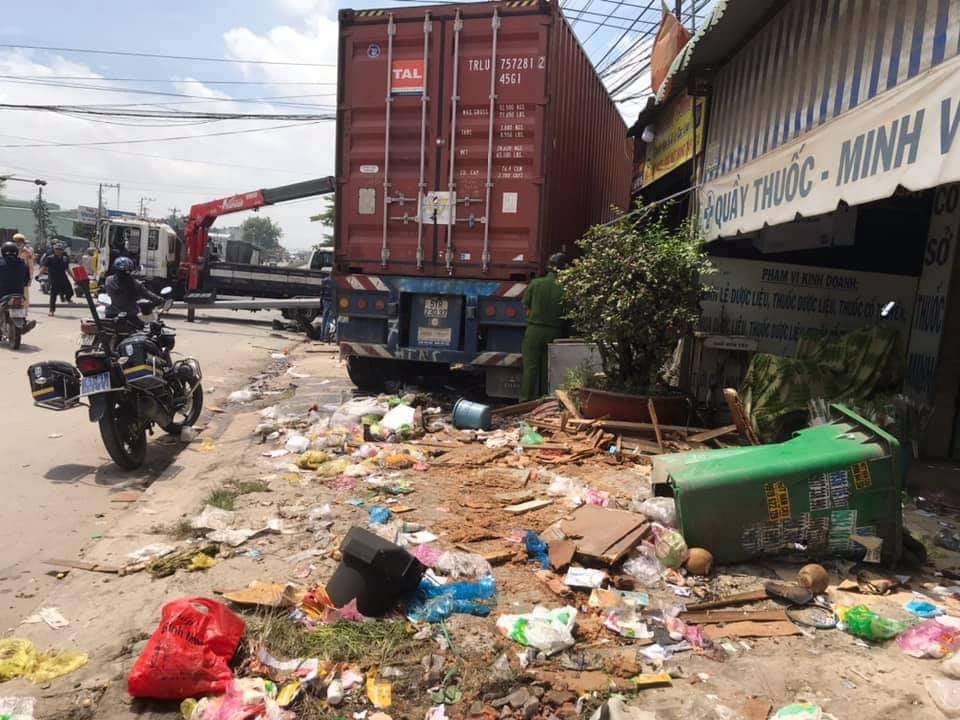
point(656, 425)
point(83, 565)
point(518, 409)
point(749, 629)
point(561, 553)
point(632, 443)
point(565, 400)
point(265, 594)
point(726, 616)
point(526, 507)
point(712, 434)
point(512, 498)
point(739, 416)
point(604, 534)
point(624, 426)
point(737, 599)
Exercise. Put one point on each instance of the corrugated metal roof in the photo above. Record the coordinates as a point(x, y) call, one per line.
point(730, 23)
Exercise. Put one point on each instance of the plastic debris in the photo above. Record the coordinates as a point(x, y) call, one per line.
point(297, 443)
point(242, 396)
point(399, 418)
point(380, 694)
point(585, 577)
point(529, 436)
point(669, 545)
point(547, 630)
point(799, 711)
point(149, 552)
point(188, 433)
point(433, 603)
point(312, 459)
point(928, 639)
point(628, 623)
point(20, 658)
point(658, 509)
point(49, 615)
point(945, 694)
point(923, 609)
point(213, 518)
point(644, 566)
point(862, 622)
point(458, 564)
point(379, 514)
point(244, 698)
point(536, 549)
point(17, 708)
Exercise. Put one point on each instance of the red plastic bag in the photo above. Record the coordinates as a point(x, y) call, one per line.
point(189, 653)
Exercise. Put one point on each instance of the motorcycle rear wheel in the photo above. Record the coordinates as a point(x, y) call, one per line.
point(192, 414)
point(123, 436)
point(13, 335)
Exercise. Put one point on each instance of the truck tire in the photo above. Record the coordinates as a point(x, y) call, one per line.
point(369, 374)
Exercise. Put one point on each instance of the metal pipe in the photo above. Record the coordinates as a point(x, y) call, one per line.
point(485, 257)
point(454, 105)
point(384, 248)
point(421, 185)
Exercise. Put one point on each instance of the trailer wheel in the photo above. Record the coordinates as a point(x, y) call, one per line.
point(369, 374)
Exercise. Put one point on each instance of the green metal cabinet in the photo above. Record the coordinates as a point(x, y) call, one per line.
point(810, 493)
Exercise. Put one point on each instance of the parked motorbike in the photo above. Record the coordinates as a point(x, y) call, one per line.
point(128, 379)
point(13, 320)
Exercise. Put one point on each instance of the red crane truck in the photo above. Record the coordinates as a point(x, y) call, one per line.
point(473, 141)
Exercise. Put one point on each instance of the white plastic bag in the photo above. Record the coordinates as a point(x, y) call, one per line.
point(297, 443)
point(458, 564)
point(659, 509)
point(242, 396)
point(547, 630)
point(398, 417)
point(945, 694)
point(644, 567)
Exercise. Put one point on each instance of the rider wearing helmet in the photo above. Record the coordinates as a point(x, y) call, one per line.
point(124, 289)
point(14, 274)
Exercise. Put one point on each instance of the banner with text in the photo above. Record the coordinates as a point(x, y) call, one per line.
point(676, 128)
point(907, 136)
point(775, 302)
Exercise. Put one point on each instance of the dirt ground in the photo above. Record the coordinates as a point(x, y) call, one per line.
point(111, 617)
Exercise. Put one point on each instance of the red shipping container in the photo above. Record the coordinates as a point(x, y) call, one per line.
point(488, 131)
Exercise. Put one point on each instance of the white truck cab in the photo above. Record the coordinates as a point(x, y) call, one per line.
point(153, 246)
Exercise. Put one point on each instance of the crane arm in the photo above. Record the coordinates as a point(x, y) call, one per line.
point(203, 215)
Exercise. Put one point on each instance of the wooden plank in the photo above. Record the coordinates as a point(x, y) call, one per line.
point(751, 630)
point(624, 426)
point(568, 404)
point(632, 443)
point(518, 409)
point(737, 599)
point(656, 425)
point(528, 506)
point(739, 415)
point(83, 565)
point(712, 434)
point(603, 533)
point(725, 616)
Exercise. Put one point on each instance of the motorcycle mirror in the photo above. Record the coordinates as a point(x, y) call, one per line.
point(166, 291)
point(104, 299)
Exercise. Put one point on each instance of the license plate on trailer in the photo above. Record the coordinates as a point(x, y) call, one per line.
point(18, 312)
point(92, 384)
point(436, 307)
point(86, 339)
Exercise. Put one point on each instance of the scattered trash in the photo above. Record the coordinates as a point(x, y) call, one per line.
point(20, 658)
point(659, 509)
point(242, 396)
point(536, 549)
point(312, 459)
point(149, 552)
point(945, 694)
point(547, 630)
point(699, 561)
point(380, 694)
point(799, 711)
point(189, 653)
point(434, 603)
point(17, 708)
point(213, 518)
point(54, 436)
point(188, 433)
point(930, 639)
point(814, 578)
point(49, 615)
point(923, 609)
point(379, 514)
point(862, 622)
point(265, 594)
point(585, 577)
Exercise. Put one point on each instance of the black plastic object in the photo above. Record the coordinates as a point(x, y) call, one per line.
point(375, 571)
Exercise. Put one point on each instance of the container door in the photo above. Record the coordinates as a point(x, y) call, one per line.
point(390, 115)
point(495, 94)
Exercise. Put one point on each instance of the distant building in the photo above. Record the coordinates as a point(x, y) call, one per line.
point(17, 216)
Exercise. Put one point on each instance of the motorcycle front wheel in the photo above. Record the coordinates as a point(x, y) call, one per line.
point(123, 435)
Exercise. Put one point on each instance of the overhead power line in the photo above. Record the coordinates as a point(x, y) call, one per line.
point(129, 53)
point(160, 139)
point(165, 114)
point(170, 80)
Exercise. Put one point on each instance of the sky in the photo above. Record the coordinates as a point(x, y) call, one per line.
point(210, 159)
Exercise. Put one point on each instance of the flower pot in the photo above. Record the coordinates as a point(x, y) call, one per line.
point(671, 409)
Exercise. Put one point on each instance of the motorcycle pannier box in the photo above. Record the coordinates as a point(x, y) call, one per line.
point(144, 366)
point(54, 384)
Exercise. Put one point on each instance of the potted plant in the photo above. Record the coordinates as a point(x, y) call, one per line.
point(635, 292)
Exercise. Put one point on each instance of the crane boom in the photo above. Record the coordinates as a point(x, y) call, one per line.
point(203, 215)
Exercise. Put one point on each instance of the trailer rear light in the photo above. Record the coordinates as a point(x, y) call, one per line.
point(92, 364)
point(511, 312)
point(380, 305)
point(361, 304)
point(16, 302)
point(490, 311)
point(344, 303)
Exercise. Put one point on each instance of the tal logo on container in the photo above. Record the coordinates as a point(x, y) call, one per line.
point(407, 77)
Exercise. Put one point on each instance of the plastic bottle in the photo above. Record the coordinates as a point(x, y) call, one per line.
point(443, 606)
point(863, 622)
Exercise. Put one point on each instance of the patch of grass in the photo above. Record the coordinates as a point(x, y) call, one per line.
point(183, 530)
point(223, 498)
point(245, 487)
point(377, 642)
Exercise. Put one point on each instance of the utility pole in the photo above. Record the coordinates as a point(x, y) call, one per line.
point(143, 205)
point(100, 203)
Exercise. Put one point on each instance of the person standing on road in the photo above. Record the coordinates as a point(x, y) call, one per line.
point(57, 267)
point(544, 303)
point(26, 254)
point(14, 275)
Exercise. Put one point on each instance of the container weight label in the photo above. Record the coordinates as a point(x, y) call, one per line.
point(778, 501)
point(861, 476)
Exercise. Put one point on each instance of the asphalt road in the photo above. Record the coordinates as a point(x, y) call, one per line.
point(56, 479)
